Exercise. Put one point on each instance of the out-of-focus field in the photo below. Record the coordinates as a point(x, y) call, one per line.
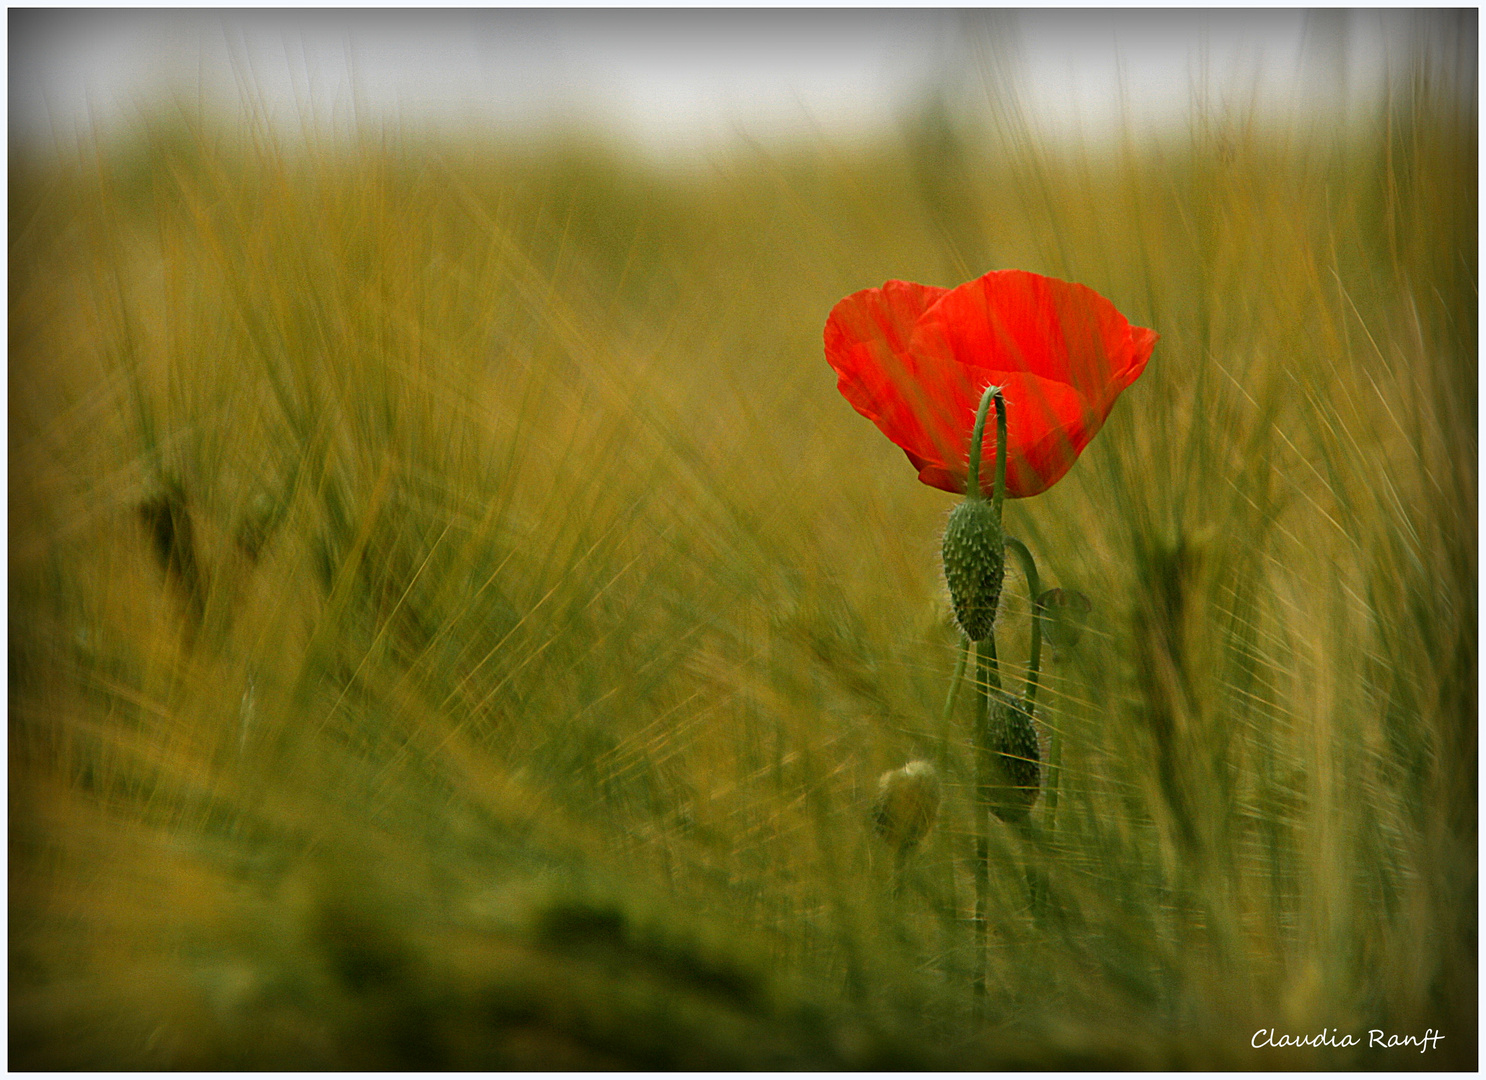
point(455, 622)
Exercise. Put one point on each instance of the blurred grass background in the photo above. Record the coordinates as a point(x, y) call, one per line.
point(456, 623)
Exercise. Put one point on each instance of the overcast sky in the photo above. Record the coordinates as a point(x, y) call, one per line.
point(687, 81)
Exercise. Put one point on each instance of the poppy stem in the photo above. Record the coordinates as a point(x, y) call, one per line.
point(985, 542)
point(1034, 585)
point(959, 675)
point(987, 679)
point(977, 436)
point(1034, 667)
point(1001, 454)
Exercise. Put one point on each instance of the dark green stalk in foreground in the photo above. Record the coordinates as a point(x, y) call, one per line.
point(974, 567)
point(987, 689)
point(1007, 758)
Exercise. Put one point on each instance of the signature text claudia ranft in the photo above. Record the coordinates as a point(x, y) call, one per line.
point(1329, 1037)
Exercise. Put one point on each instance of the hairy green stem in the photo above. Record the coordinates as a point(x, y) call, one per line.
point(959, 676)
point(1034, 668)
point(977, 436)
point(1034, 587)
point(987, 681)
point(1000, 453)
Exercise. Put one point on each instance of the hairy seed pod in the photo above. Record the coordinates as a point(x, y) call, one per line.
point(974, 565)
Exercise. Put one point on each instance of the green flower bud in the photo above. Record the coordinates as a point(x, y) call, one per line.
point(974, 565)
point(1012, 741)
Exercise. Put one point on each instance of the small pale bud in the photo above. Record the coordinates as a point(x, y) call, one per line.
point(974, 565)
point(907, 804)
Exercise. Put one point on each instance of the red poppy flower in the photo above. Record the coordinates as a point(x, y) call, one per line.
point(915, 360)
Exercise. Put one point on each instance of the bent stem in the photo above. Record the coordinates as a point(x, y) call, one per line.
point(1034, 586)
point(977, 435)
point(1034, 668)
point(988, 679)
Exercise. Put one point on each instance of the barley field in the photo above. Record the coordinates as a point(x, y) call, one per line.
point(455, 622)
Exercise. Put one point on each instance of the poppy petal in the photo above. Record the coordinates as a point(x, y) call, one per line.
point(916, 361)
point(866, 339)
point(1010, 320)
